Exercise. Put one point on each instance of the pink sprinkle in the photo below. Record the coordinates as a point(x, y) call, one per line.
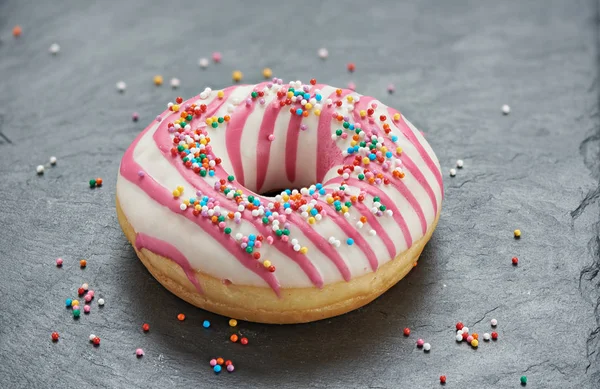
point(158, 119)
point(135, 116)
point(91, 293)
point(344, 135)
point(222, 225)
point(139, 352)
point(213, 362)
point(86, 308)
point(391, 88)
point(269, 239)
point(245, 239)
point(374, 105)
point(141, 173)
point(284, 238)
point(230, 368)
point(216, 56)
point(258, 244)
point(59, 262)
point(271, 137)
point(351, 86)
point(469, 338)
point(87, 298)
point(420, 342)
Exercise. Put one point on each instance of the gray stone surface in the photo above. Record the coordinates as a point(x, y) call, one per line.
point(454, 64)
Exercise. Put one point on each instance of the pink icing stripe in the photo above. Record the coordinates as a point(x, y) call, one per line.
point(412, 168)
point(129, 170)
point(263, 147)
point(235, 128)
point(160, 247)
point(375, 225)
point(385, 199)
point(328, 153)
point(409, 134)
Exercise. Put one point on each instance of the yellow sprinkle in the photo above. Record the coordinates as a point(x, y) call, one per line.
point(175, 107)
point(203, 141)
point(198, 207)
point(267, 263)
point(185, 146)
point(353, 143)
point(158, 80)
point(177, 121)
point(214, 119)
point(208, 121)
point(329, 200)
point(267, 73)
point(517, 233)
point(311, 220)
point(383, 149)
point(186, 202)
point(308, 105)
point(474, 343)
point(232, 322)
point(237, 76)
point(344, 209)
point(366, 160)
point(290, 95)
point(396, 116)
point(285, 197)
point(317, 112)
point(303, 250)
point(349, 98)
point(74, 303)
point(363, 113)
point(176, 193)
point(239, 191)
point(220, 94)
point(180, 188)
point(398, 150)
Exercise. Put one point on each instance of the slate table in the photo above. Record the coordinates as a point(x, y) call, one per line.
point(453, 63)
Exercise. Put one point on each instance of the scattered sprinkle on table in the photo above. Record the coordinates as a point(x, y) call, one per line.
point(59, 262)
point(452, 172)
point(459, 337)
point(230, 368)
point(474, 343)
point(505, 109)
point(459, 326)
point(181, 317)
point(494, 335)
point(459, 163)
point(82, 263)
point(17, 31)
point(216, 56)
point(121, 86)
point(420, 343)
point(206, 324)
point(323, 53)
point(175, 83)
point(145, 327)
point(53, 160)
point(237, 76)
point(517, 234)
point(486, 336)
point(54, 48)
point(91, 337)
point(139, 353)
point(101, 301)
point(267, 73)
point(95, 182)
point(426, 347)
point(86, 308)
point(217, 369)
point(96, 341)
point(494, 322)
point(244, 341)
point(391, 88)
point(233, 322)
point(40, 169)
point(351, 67)
point(158, 80)
point(135, 117)
point(442, 379)
point(523, 380)
point(515, 261)
point(55, 336)
point(406, 331)
point(203, 63)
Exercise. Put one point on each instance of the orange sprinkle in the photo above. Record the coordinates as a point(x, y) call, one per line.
point(181, 317)
point(475, 336)
point(220, 361)
point(214, 219)
point(233, 338)
point(363, 219)
point(83, 263)
point(17, 30)
point(226, 118)
point(338, 92)
point(231, 215)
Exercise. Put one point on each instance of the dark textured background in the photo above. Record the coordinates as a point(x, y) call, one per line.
point(454, 63)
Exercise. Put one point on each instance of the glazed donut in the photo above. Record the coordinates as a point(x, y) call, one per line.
point(279, 203)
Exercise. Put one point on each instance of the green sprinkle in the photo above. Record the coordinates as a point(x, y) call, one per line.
point(92, 183)
point(286, 232)
point(249, 250)
point(214, 124)
point(382, 208)
point(254, 95)
point(376, 199)
point(220, 120)
point(227, 230)
point(230, 178)
point(348, 204)
point(180, 148)
point(338, 132)
point(523, 380)
point(265, 220)
point(279, 232)
point(221, 218)
point(361, 176)
point(189, 118)
point(251, 199)
point(346, 124)
point(203, 173)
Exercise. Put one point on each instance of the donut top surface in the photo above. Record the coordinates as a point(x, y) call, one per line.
point(285, 185)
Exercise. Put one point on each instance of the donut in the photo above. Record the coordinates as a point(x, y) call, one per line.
point(279, 203)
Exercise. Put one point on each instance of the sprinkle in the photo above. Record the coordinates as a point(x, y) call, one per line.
point(213, 362)
point(86, 309)
point(55, 336)
point(233, 338)
point(515, 261)
point(145, 327)
point(181, 317)
point(139, 353)
point(426, 347)
point(406, 331)
point(121, 86)
point(40, 169)
point(517, 234)
point(92, 337)
point(465, 330)
point(267, 73)
point(494, 335)
point(459, 326)
point(469, 338)
point(75, 303)
point(216, 57)
point(486, 336)
point(459, 163)
point(206, 324)
point(452, 172)
point(52, 160)
point(237, 76)
point(350, 242)
point(203, 63)
point(220, 361)
point(523, 380)
point(323, 53)
point(54, 48)
point(420, 343)
point(494, 322)
point(474, 343)
point(217, 369)
point(391, 88)
point(230, 368)
point(83, 263)
point(442, 379)
point(158, 80)
point(232, 322)
point(17, 31)
point(244, 341)
point(96, 341)
point(101, 302)
point(505, 109)
point(59, 262)
point(175, 83)
point(135, 117)
point(459, 337)
point(271, 137)
point(351, 67)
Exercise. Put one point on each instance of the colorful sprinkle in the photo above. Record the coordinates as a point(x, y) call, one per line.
point(96, 341)
point(82, 263)
point(234, 338)
point(145, 327)
point(86, 309)
point(217, 369)
point(517, 234)
point(139, 353)
point(426, 347)
point(515, 261)
point(216, 57)
point(158, 80)
point(135, 117)
point(55, 336)
point(406, 331)
point(244, 341)
point(40, 169)
point(206, 324)
point(351, 67)
point(101, 302)
point(420, 343)
point(181, 317)
point(494, 322)
point(17, 31)
point(494, 335)
point(523, 380)
point(391, 88)
point(237, 76)
point(505, 109)
point(59, 262)
point(230, 368)
point(486, 336)
point(233, 322)
point(442, 379)
point(267, 73)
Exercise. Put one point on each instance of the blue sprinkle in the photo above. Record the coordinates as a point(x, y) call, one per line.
point(299, 112)
point(394, 138)
point(322, 191)
point(250, 243)
point(297, 92)
point(68, 302)
point(314, 212)
point(388, 154)
point(311, 192)
point(319, 186)
point(205, 198)
point(286, 205)
point(192, 200)
point(337, 202)
point(206, 324)
point(252, 237)
point(288, 191)
point(351, 126)
point(307, 96)
point(372, 157)
point(256, 202)
point(350, 241)
point(318, 97)
point(217, 369)
point(356, 149)
point(211, 173)
point(268, 213)
point(350, 150)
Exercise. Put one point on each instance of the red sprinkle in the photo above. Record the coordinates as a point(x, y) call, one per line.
point(179, 100)
point(494, 335)
point(406, 331)
point(459, 326)
point(146, 327)
point(96, 341)
point(515, 261)
point(244, 341)
point(442, 379)
point(80, 291)
point(351, 67)
point(55, 336)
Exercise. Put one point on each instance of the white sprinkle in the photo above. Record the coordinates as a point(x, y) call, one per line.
point(372, 232)
point(465, 329)
point(40, 169)
point(505, 109)
point(494, 322)
point(452, 172)
point(426, 347)
point(182, 206)
point(486, 336)
point(459, 163)
point(203, 63)
point(91, 337)
point(101, 302)
point(323, 53)
point(54, 48)
point(85, 286)
point(459, 338)
point(359, 224)
point(238, 236)
point(459, 332)
point(121, 86)
point(175, 83)
point(53, 160)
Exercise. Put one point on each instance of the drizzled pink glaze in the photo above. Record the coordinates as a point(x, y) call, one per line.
point(375, 191)
point(162, 248)
point(328, 153)
point(235, 128)
point(409, 134)
point(263, 146)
